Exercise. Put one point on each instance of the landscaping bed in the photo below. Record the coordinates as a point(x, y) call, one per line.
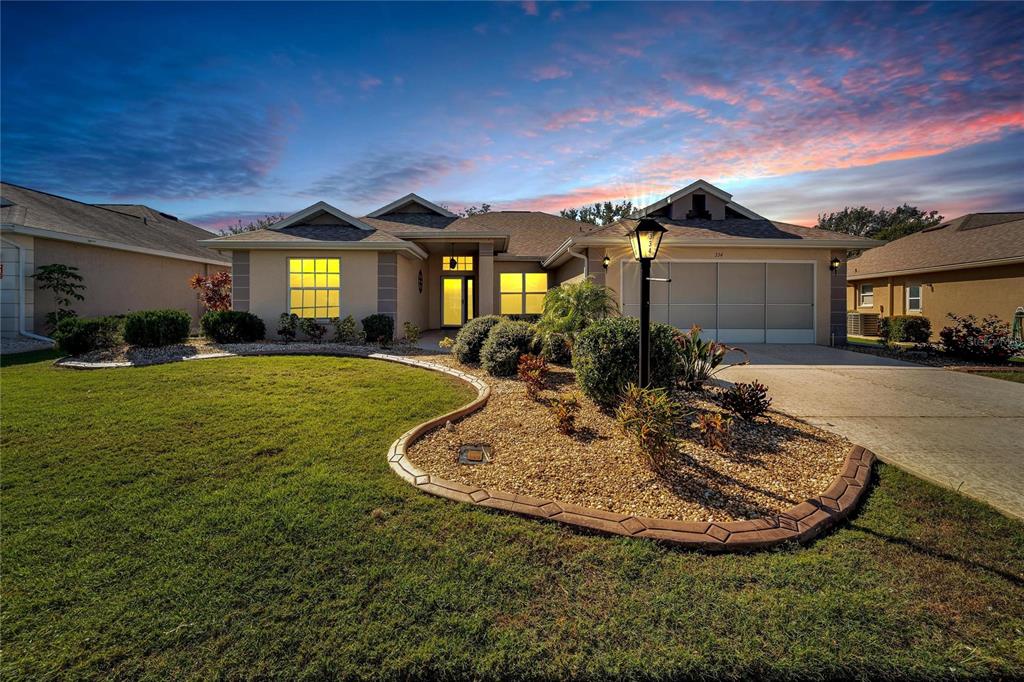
point(771, 464)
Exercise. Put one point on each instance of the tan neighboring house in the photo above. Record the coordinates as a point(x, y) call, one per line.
point(131, 257)
point(973, 264)
point(741, 277)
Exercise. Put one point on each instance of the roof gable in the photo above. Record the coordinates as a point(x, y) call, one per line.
point(319, 208)
point(707, 188)
point(411, 199)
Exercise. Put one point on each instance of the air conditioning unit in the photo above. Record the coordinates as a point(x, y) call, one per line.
point(862, 324)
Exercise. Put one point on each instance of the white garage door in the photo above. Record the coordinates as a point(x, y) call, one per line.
point(732, 302)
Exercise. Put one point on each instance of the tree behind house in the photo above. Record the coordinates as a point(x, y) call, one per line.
point(253, 225)
point(600, 213)
point(884, 224)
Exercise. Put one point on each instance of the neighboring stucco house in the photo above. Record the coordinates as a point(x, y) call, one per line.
point(743, 278)
point(973, 264)
point(131, 257)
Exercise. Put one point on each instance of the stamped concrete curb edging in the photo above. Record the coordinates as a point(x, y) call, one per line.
point(800, 523)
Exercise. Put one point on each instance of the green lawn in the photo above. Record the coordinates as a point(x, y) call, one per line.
point(1005, 376)
point(219, 519)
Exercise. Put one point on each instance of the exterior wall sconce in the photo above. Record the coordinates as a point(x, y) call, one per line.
point(834, 265)
point(605, 262)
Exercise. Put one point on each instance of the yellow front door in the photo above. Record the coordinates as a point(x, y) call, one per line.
point(452, 302)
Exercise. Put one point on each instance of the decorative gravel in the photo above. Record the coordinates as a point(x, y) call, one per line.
point(772, 464)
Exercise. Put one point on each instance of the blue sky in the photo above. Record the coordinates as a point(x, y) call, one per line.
point(220, 111)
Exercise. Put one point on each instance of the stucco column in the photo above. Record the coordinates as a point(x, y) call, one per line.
point(485, 279)
point(837, 300)
point(387, 284)
point(240, 280)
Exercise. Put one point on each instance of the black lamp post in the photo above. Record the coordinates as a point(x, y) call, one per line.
point(645, 239)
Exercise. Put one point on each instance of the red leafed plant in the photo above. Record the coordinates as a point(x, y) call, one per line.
point(533, 372)
point(214, 291)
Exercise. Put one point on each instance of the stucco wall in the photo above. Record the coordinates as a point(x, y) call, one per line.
point(997, 290)
point(821, 258)
point(412, 303)
point(268, 283)
point(121, 281)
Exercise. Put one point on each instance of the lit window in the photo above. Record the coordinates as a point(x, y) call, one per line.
point(462, 264)
point(867, 295)
point(314, 287)
point(914, 298)
point(522, 292)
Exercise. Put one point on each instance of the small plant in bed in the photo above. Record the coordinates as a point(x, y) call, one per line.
point(313, 330)
point(699, 360)
point(987, 341)
point(379, 328)
point(232, 326)
point(347, 331)
point(508, 340)
point(649, 417)
point(288, 327)
point(714, 430)
point(565, 409)
point(471, 337)
point(533, 372)
point(746, 401)
point(606, 358)
point(152, 328)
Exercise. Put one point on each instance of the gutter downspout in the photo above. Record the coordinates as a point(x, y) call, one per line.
point(586, 261)
point(21, 297)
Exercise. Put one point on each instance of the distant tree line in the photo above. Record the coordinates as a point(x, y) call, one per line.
point(884, 224)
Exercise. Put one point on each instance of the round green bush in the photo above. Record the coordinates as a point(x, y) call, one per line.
point(379, 328)
point(232, 326)
point(556, 348)
point(606, 357)
point(506, 341)
point(471, 337)
point(156, 327)
point(905, 328)
point(77, 335)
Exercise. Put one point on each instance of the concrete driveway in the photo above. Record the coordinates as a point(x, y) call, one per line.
point(961, 431)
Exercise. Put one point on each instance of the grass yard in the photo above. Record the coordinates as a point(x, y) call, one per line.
point(236, 519)
point(1005, 376)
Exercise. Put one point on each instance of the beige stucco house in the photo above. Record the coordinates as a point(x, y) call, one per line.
point(741, 277)
point(973, 264)
point(131, 257)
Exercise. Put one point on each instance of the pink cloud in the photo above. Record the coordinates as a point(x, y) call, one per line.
point(953, 77)
point(716, 92)
point(369, 82)
point(530, 7)
point(571, 117)
point(549, 73)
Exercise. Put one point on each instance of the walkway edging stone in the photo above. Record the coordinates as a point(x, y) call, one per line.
point(800, 523)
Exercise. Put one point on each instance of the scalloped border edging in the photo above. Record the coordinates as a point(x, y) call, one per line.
point(800, 523)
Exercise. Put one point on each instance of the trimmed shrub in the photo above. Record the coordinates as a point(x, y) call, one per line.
point(412, 332)
point(288, 326)
point(345, 331)
point(648, 416)
point(902, 328)
point(507, 340)
point(606, 357)
point(312, 329)
point(556, 348)
point(77, 335)
point(471, 337)
point(152, 328)
point(379, 328)
point(747, 401)
point(988, 341)
point(232, 326)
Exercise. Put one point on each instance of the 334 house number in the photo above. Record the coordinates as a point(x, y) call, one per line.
point(718, 254)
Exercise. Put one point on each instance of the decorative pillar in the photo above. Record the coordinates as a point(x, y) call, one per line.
point(240, 280)
point(485, 279)
point(387, 284)
point(837, 300)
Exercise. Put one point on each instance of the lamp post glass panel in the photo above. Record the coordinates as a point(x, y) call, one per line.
point(645, 239)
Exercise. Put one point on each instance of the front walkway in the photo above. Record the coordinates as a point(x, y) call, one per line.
point(955, 429)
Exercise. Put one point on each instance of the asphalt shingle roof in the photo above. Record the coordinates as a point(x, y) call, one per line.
point(730, 228)
point(975, 238)
point(129, 225)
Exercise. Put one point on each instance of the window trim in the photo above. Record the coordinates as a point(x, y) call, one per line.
point(290, 288)
point(523, 291)
point(919, 297)
point(861, 294)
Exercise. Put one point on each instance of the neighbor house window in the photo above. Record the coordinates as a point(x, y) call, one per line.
point(462, 264)
point(867, 295)
point(314, 287)
point(523, 292)
point(914, 298)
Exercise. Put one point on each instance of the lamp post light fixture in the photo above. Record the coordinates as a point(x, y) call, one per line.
point(645, 239)
point(834, 265)
point(605, 262)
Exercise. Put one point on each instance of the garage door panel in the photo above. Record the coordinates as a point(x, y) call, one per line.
point(790, 282)
point(694, 283)
point(741, 283)
point(630, 283)
point(685, 316)
point(659, 290)
point(790, 317)
point(741, 316)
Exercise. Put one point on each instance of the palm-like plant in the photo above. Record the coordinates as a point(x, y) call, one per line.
point(572, 307)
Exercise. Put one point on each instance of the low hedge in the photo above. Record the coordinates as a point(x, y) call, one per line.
point(606, 357)
point(78, 335)
point(232, 326)
point(156, 327)
point(379, 328)
point(902, 328)
point(506, 341)
point(471, 337)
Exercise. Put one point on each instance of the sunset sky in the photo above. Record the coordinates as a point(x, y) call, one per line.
point(219, 111)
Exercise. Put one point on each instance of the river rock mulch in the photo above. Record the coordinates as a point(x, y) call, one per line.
point(772, 464)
